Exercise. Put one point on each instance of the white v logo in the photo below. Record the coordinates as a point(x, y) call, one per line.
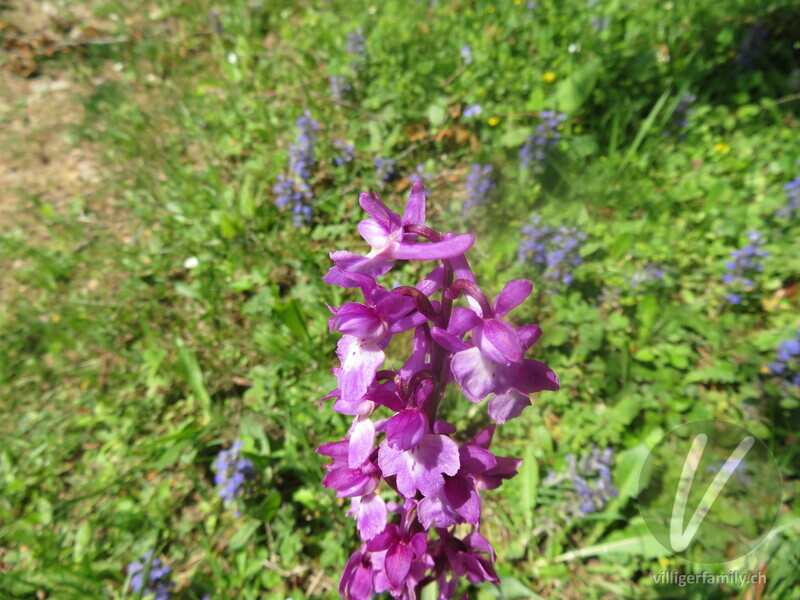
point(680, 538)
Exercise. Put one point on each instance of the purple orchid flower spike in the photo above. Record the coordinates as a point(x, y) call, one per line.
point(398, 444)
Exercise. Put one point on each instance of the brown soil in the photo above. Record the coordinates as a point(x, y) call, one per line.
point(46, 175)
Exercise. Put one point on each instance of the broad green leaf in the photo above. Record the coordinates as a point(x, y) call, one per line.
point(437, 115)
point(243, 534)
point(576, 89)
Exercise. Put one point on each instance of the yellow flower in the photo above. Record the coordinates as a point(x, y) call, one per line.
point(493, 121)
point(491, 9)
point(549, 77)
point(55, 318)
point(722, 147)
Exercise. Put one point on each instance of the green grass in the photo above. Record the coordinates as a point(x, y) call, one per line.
point(123, 373)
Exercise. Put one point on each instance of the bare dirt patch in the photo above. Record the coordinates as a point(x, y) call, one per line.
point(47, 175)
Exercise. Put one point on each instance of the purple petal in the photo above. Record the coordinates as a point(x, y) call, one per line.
point(475, 542)
point(335, 450)
point(375, 234)
point(420, 468)
point(499, 341)
point(463, 498)
point(360, 360)
point(371, 517)
point(362, 442)
point(353, 563)
point(447, 587)
point(386, 538)
point(514, 293)
point(363, 406)
point(534, 376)
point(443, 428)
point(436, 511)
point(397, 563)
point(461, 270)
point(492, 479)
point(419, 544)
point(475, 459)
point(376, 209)
point(356, 582)
point(393, 305)
point(432, 250)
point(484, 437)
point(406, 429)
point(351, 482)
point(386, 396)
point(504, 407)
point(346, 262)
point(414, 213)
point(416, 362)
point(447, 340)
point(415, 319)
point(479, 569)
point(477, 375)
point(331, 394)
point(462, 321)
point(529, 335)
point(360, 321)
point(432, 282)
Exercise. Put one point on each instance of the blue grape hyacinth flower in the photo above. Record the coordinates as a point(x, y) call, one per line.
point(741, 271)
point(557, 248)
point(293, 189)
point(786, 366)
point(232, 471)
point(479, 185)
point(158, 582)
point(533, 153)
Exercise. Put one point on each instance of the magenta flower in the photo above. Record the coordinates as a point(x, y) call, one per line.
point(392, 238)
point(405, 558)
point(421, 468)
point(396, 444)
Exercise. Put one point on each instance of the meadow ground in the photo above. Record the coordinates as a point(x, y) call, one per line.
point(174, 173)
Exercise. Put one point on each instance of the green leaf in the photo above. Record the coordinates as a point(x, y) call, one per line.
point(513, 588)
point(191, 371)
point(624, 411)
point(529, 479)
point(627, 470)
point(247, 199)
point(244, 533)
point(647, 313)
point(249, 428)
point(228, 226)
point(513, 138)
point(576, 89)
point(437, 115)
point(720, 373)
point(294, 318)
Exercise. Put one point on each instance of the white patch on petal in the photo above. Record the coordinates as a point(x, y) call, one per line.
point(362, 442)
